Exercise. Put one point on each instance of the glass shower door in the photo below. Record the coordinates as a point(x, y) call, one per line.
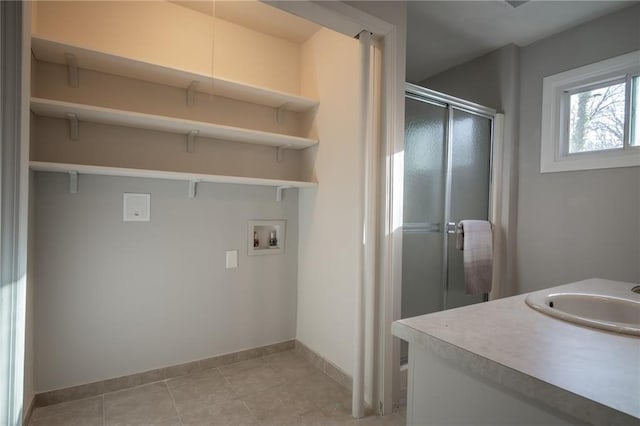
point(447, 172)
point(468, 196)
point(424, 197)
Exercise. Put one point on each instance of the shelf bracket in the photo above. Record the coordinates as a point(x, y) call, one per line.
point(191, 93)
point(280, 152)
point(193, 187)
point(191, 141)
point(280, 192)
point(72, 69)
point(73, 126)
point(280, 112)
point(73, 182)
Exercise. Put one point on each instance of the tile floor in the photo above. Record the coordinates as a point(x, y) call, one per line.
point(282, 389)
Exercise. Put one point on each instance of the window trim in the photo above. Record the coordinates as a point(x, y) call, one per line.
point(554, 117)
point(634, 128)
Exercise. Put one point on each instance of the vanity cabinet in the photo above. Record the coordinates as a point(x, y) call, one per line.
point(502, 362)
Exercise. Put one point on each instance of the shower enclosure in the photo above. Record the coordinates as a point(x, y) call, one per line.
point(447, 178)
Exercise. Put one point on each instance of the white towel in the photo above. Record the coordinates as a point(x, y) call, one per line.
point(474, 238)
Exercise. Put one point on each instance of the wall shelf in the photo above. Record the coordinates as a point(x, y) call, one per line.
point(80, 169)
point(48, 50)
point(94, 114)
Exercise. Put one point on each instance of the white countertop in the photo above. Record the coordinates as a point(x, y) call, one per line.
point(591, 374)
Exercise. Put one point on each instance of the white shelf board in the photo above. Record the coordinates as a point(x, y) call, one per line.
point(94, 114)
point(160, 174)
point(48, 50)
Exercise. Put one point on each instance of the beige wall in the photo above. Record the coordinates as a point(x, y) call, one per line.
point(167, 34)
point(328, 270)
point(328, 244)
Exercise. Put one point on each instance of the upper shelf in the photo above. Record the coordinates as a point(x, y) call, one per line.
point(52, 51)
point(161, 174)
point(94, 114)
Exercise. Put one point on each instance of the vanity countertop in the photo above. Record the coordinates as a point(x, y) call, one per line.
point(590, 374)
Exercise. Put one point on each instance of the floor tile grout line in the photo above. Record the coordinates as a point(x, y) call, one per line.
point(249, 410)
point(173, 401)
point(226, 379)
point(104, 416)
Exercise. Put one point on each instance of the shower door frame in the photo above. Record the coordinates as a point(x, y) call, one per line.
point(451, 104)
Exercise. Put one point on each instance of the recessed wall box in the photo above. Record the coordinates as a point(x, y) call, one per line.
point(136, 207)
point(266, 237)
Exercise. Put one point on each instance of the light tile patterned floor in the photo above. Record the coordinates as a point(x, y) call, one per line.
point(282, 389)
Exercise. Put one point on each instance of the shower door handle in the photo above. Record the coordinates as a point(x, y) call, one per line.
point(451, 227)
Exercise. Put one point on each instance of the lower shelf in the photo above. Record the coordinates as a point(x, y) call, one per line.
point(192, 178)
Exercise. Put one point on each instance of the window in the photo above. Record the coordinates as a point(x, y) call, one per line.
point(596, 118)
point(591, 116)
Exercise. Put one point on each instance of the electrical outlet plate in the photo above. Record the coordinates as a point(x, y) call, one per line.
point(136, 207)
point(263, 230)
point(232, 259)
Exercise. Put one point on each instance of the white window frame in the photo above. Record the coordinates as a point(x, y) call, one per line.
point(555, 96)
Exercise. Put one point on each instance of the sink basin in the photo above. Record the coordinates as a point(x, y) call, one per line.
point(603, 304)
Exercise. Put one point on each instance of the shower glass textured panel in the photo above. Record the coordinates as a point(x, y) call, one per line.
point(423, 211)
point(470, 182)
point(424, 176)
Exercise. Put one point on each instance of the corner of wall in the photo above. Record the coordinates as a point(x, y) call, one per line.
point(510, 172)
point(326, 270)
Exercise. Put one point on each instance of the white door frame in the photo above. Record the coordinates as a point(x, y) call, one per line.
point(15, 57)
point(349, 20)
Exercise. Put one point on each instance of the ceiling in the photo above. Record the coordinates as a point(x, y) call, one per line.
point(443, 34)
point(440, 34)
point(256, 15)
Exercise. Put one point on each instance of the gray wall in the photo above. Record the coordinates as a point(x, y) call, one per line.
point(575, 225)
point(485, 80)
point(570, 225)
point(116, 298)
point(493, 80)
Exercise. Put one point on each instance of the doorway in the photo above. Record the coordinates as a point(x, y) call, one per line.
point(447, 178)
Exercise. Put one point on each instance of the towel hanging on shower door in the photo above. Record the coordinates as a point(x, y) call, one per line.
point(475, 240)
